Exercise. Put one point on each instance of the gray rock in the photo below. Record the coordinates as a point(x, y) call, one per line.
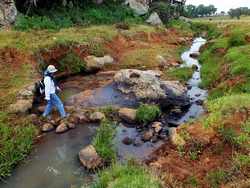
point(96, 117)
point(146, 86)
point(127, 114)
point(139, 7)
point(96, 63)
point(89, 158)
point(154, 19)
point(8, 12)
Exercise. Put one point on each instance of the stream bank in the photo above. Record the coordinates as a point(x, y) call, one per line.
point(60, 175)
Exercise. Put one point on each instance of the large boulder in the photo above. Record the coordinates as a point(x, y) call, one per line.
point(140, 7)
point(96, 63)
point(89, 158)
point(146, 86)
point(97, 117)
point(8, 12)
point(154, 19)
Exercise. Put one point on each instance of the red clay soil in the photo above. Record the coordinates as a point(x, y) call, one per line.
point(122, 44)
point(213, 155)
point(14, 58)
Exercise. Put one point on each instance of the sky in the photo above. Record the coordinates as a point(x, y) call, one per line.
point(222, 5)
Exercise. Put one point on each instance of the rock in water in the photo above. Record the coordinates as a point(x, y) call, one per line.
point(154, 19)
point(8, 12)
point(146, 86)
point(139, 7)
point(89, 158)
point(157, 126)
point(128, 115)
point(62, 128)
point(96, 117)
point(147, 135)
point(47, 127)
point(127, 141)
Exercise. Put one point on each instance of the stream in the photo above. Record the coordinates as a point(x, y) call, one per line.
point(54, 163)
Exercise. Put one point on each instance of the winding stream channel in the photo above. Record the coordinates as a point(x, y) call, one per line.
point(54, 163)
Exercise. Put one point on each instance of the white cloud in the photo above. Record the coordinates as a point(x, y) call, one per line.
point(224, 5)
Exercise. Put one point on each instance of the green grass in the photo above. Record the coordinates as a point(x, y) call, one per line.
point(129, 175)
point(242, 160)
point(15, 142)
point(182, 74)
point(103, 141)
point(219, 108)
point(216, 178)
point(147, 113)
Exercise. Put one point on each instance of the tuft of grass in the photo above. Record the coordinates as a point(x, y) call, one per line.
point(237, 39)
point(126, 176)
point(72, 63)
point(15, 142)
point(241, 161)
point(191, 182)
point(183, 74)
point(216, 178)
point(103, 141)
point(147, 113)
point(223, 106)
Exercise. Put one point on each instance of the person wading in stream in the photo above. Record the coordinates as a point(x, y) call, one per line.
point(51, 97)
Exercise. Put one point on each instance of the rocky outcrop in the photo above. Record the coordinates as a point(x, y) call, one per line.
point(140, 7)
point(146, 86)
point(89, 158)
point(97, 63)
point(8, 12)
point(154, 19)
point(127, 114)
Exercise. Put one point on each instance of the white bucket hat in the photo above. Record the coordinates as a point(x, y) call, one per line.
point(51, 69)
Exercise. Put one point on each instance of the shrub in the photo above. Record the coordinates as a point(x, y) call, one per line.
point(237, 39)
point(147, 113)
point(103, 141)
point(216, 178)
point(126, 176)
point(72, 63)
point(15, 143)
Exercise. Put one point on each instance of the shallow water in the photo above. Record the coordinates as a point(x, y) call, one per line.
point(54, 162)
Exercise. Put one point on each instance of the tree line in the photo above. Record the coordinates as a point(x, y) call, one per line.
point(192, 11)
point(237, 12)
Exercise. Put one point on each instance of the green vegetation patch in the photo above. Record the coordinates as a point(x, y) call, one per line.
point(15, 142)
point(147, 113)
point(103, 141)
point(183, 74)
point(126, 176)
point(216, 178)
point(72, 63)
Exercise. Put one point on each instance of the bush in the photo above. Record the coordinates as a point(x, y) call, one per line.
point(103, 141)
point(126, 176)
point(147, 113)
point(72, 63)
point(15, 143)
point(237, 39)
